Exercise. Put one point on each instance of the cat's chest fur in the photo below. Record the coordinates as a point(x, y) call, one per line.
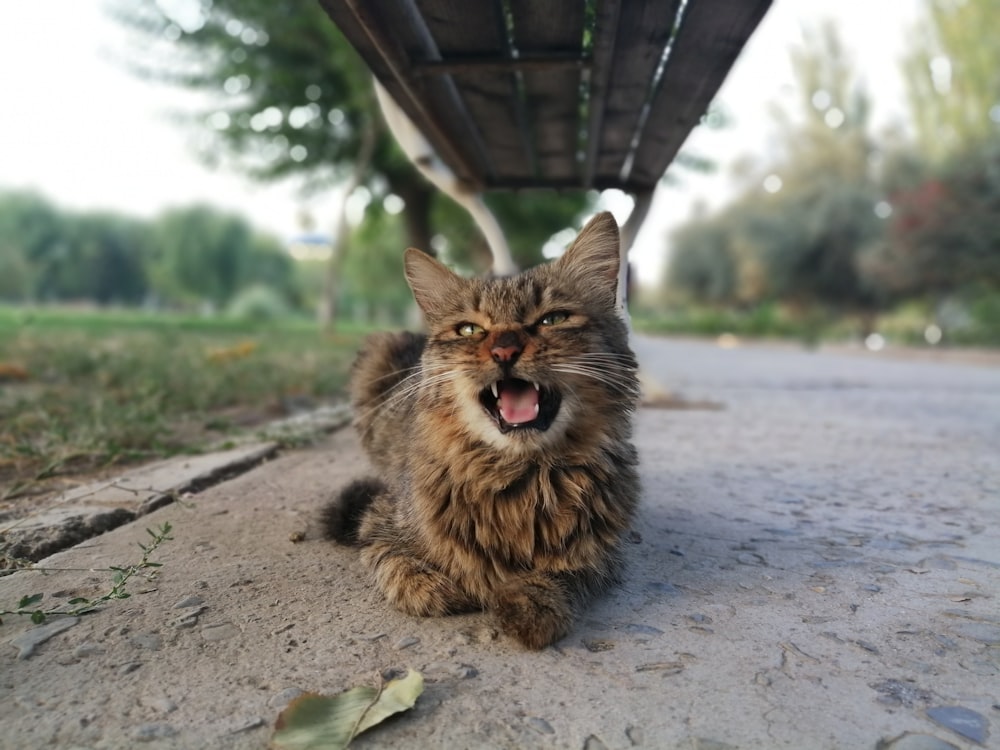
point(483, 515)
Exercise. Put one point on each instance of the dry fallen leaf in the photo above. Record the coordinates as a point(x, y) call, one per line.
point(329, 722)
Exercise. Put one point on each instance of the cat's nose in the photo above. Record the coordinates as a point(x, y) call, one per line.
point(506, 348)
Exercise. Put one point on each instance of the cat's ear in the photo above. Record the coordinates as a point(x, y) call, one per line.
point(433, 284)
point(594, 255)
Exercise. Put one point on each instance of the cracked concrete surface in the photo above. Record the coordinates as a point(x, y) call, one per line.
point(815, 565)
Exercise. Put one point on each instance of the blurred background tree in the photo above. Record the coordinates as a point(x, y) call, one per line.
point(794, 233)
point(952, 74)
point(842, 219)
point(186, 258)
point(943, 241)
point(203, 255)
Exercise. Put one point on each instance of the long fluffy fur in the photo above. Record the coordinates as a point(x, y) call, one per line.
point(526, 524)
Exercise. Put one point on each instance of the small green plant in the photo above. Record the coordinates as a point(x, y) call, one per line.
point(80, 605)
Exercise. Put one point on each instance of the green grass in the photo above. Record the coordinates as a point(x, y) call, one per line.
point(81, 391)
point(764, 321)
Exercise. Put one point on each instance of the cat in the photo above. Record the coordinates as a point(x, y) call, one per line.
point(502, 440)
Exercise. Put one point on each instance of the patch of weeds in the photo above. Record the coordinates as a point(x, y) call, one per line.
point(100, 390)
point(27, 606)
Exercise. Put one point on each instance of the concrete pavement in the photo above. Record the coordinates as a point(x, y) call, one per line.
point(815, 565)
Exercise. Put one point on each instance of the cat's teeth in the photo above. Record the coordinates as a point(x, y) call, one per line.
point(537, 387)
point(536, 407)
point(493, 387)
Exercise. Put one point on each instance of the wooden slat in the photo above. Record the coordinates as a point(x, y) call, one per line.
point(710, 39)
point(605, 36)
point(493, 65)
point(553, 97)
point(387, 38)
point(490, 96)
point(642, 33)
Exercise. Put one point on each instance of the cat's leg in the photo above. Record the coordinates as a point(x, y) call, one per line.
point(364, 514)
point(539, 608)
point(411, 585)
point(536, 609)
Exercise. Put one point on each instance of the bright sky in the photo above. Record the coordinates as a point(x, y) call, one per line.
point(79, 129)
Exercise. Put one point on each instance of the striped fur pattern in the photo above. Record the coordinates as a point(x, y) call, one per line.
point(476, 505)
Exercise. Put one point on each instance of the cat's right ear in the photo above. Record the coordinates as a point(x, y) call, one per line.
point(433, 284)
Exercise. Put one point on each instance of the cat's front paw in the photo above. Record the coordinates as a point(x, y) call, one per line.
point(535, 611)
point(413, 587)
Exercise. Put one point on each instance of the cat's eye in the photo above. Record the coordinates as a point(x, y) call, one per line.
point(554, 318)
point(469, 329)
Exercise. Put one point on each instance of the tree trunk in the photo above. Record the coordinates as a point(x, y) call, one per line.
point(418, 195)
point(326, 313)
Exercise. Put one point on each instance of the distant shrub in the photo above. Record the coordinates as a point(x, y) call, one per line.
point(258, 303)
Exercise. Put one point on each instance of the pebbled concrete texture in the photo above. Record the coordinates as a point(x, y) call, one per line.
point(92, 509)
point(815, 565)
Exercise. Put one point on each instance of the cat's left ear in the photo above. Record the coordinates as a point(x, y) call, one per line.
point(433, 284)
point(594, 255)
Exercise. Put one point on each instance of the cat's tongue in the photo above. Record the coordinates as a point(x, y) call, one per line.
point(517, 401)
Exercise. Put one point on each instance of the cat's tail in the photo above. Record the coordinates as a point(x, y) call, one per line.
point(341, 519)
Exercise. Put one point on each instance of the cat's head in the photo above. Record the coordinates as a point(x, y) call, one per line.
point(526, 359)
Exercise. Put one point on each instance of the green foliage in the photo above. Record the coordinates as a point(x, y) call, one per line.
point(111, 260)
point(800, 242)
point(944, 235)
point(204, 255)
point(703, 265)
point(120, 579)
point(257, 303)
point(759, 321)
point(186, 257)
point(952, 74)
point(49, 254)
point(373, 286)
point(31, 232)
point(286, 92)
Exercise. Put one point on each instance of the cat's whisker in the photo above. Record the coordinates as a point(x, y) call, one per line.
point(402, 392)
point(619, 385)
point(624, 360)
point(415, 370)
point(403, 388)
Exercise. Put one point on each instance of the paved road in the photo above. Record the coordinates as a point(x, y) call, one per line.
point(816, 565)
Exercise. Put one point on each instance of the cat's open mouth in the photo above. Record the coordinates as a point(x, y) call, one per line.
point(516, 404)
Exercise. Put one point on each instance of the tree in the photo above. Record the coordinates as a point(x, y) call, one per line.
point(203, 255)
point(797, 231)
point(944, 187)
point(53, 255)
point(32, 241)
point(944, 235)
point(952, 72)
point(110, 254)
point(374, 286)
point(702, 265)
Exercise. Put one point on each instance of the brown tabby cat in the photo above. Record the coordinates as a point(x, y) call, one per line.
point(502, 442)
